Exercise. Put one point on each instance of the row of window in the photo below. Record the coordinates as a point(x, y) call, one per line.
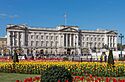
point(90, 44)
point(93, 35)
point(56, 38)
point(92, 39)
point(47, 37)
point(43, 43)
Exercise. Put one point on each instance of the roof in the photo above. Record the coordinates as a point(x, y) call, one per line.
point(3, 38)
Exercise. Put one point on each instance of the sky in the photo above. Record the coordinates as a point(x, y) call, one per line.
point(87, 14)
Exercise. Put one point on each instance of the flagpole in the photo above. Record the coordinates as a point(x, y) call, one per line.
point(65, 19)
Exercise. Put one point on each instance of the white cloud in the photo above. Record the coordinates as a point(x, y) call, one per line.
point(14, 16)
point(3, 15)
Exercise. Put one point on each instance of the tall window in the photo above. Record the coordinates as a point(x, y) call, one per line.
point(95, 44)
point(41, 43)
point(83, 44)
point(42, 37)
point(47, 37)
point(31, 36)
point(32, 43)
point(91, 38)
point(87, 44)
point(47, 43)
point(99, 45)
point(56, 37)
point(98, 39)
point(37, 36)
point(102, 39)
point(103, 45)
point(83, 38)
point(87, 38)
point(56, 44)
point(51, 44)
point(95, 39)
point(51, 37)
point(37, 43)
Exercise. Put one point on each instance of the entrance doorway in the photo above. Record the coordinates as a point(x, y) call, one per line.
point(41, 51)
point(68, 51)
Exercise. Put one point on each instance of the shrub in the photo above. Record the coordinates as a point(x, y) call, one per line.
point(122, 59)
point(15, 57)
point(65, 59)
point(56, 73)
point(110, 58)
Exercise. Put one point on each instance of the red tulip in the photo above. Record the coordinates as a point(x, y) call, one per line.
point(17, 80)
point(114, 80)
point(77, 77)
point(90, 76)
point(96, 81)
point(82, 78)
point(58, 80)
point(37, 78)
point(107, 79)
point(119, 80)
point(99, 79)
point(66, 81)
point(25, 80)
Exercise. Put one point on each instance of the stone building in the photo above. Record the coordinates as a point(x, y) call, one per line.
point(59, 40)
point(3, 44)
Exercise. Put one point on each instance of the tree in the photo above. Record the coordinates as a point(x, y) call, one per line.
point(15, 57)
point(119, 46)
point(110, 58)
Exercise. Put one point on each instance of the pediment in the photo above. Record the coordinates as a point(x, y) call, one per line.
point(112, 32)
point(16, 27)
point(69, 29)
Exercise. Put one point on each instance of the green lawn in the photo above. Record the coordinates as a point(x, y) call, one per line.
point(12, 77)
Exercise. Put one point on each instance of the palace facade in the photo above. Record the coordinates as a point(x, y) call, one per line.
point(3, 44)
point(60, 40)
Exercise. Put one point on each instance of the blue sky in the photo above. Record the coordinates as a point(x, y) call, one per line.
point(87, 14)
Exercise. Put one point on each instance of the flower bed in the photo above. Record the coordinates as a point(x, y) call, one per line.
point(76, 68)
point(90, 78)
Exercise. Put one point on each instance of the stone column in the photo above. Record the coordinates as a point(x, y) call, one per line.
point(8, 39)
point(115, 41)
point(74, 40)
point(59, 36)
point(109, 41)
point(70, 40)
point(13, 39)
point(66, 40)
point(34, 40)
point(77, 41)
point(113, 38)
point(18, 39)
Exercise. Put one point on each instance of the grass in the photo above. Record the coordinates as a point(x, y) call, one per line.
point(12, 77)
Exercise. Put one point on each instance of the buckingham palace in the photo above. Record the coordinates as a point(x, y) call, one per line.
point(62, 39)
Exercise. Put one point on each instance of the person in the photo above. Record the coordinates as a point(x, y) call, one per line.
point(34, 54)
point(25, 56)
point(101, 59)
point(105, 58)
